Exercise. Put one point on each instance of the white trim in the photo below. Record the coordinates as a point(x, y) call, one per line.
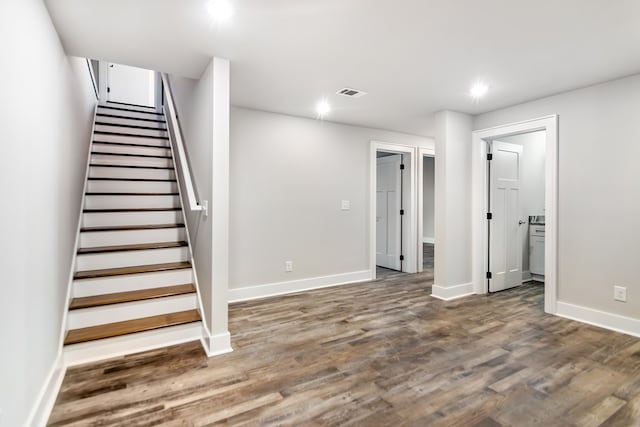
point(602, 319)
point(281, 288)
point(47, 395)
point(452, 292)
point(411, 244)
point(215, 345)
point(422, 153)
point(479, 202)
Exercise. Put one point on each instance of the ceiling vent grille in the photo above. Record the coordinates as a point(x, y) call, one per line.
point(351, 93)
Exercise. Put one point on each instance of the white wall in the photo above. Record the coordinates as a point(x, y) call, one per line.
point(45, 122)
point(452, 272)
point(428, 191)
point(203, 110)
point(288, 178)
point(531, 184)
point(599, 207)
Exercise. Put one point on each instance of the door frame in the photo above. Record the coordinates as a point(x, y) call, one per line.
point(480, 185)
point(409, 244)
point(422, 153)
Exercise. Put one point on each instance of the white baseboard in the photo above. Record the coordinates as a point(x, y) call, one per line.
point(603, 319)
point(273, 289)
point(452, 292)
point(217, 344)
point(431, 240)
point(41, 410)
point(526, 276)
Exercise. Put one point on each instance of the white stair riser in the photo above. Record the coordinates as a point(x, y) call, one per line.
point(131, 122)
point(132, 107)
point(130, 131)
point(103, 159)
point(92, 239)
point(130, 282)
point(130, 173)
point(103, 219)
point(131, 187)
point(129, 113)
point(129, 202)
point(131, 258)
point(133, 343)
point(86, 317)
point(131, 139)
point(130, 149)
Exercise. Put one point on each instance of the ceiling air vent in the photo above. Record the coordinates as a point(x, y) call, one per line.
point(351, 93)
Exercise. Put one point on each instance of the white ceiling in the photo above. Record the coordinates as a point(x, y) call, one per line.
point(414, 57)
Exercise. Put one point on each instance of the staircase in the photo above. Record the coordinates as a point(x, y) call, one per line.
point(133, 284)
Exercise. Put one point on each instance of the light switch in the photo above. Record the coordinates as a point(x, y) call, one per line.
point(346, 205)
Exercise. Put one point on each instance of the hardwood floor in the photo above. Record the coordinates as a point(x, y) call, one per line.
point(382, 353)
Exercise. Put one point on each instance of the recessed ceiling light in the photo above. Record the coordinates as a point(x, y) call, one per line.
point(478, 90)
point(323, 108)
point(220, 10)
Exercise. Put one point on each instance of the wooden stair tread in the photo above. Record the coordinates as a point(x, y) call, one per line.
point(129, 109)
point(124, 248)
point(131, 227)
point(130, 194)
point(139, 295)
point(116, 329)
point(131, 126)
point(129, 144)
point(131, 210)
point(115, 115)
point(153, 156)
point(111, 165)
point(120, 271)
point(133, 179)
point(136, 135)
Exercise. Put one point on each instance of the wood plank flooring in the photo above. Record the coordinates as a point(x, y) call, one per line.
point(382, 353)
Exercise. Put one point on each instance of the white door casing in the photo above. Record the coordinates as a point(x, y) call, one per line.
point(505, 237)
point(130, 85)
point(388, 218)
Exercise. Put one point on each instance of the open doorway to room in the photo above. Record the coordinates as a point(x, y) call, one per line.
point(515, 197)
point(515, 207)
point(126, 85)
point(426, 210)
point(392, 210)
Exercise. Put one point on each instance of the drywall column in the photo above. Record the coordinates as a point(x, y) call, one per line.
point(203, 108)
point(220, 340)
point(452, 275)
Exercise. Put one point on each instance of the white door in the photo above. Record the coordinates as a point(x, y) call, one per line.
point(130, 85)
point(388, 218)
point(505, 238)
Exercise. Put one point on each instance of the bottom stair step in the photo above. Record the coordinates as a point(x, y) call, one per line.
point(139, 295)
point(116, 329)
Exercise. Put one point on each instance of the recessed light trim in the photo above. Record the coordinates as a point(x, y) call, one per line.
point(478, 90)
point(220, 10)
point(323, 108)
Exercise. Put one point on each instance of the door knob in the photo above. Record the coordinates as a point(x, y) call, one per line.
point(521, 222)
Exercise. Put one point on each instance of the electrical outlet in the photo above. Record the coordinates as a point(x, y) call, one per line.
point(620, 293)
point(346, 205)
point(288, 266)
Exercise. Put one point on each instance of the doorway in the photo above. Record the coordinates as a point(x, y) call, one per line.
point(426, 210)
point(130, 85)
point(507, 198)
point(393, 225)
point(515, 200)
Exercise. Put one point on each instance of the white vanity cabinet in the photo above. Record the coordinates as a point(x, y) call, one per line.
point(536, 249)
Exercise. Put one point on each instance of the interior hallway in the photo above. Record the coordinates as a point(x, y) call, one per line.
point(374, 354)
